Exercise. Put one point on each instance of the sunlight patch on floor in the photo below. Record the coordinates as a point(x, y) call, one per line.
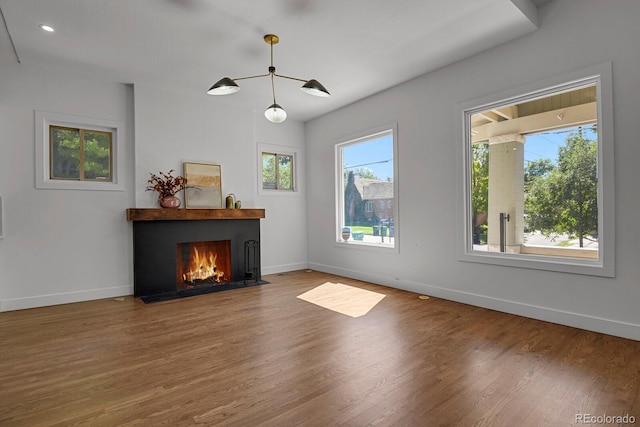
point(344, 299)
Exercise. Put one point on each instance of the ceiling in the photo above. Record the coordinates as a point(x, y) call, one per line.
point(354, 48)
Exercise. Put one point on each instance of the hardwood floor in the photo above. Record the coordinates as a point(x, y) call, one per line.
point(260, 356)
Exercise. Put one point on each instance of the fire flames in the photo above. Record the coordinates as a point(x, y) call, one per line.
point(203, 268)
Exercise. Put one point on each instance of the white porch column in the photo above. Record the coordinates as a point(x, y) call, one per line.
point(506, 191)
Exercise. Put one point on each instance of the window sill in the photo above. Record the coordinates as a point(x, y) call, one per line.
point(540, 262)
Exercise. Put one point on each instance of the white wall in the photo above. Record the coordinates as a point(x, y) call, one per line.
point(573, 35)
point(172, 128)
point(59, 245)
point(64, 246)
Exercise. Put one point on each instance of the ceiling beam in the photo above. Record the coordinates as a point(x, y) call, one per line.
point(490, 115)
point(556, 119)
point(507, 112)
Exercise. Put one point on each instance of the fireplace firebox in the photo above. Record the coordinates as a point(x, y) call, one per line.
point(182, 252)
point(203, 263)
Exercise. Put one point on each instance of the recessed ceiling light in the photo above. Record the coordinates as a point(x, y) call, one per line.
point(47, 28)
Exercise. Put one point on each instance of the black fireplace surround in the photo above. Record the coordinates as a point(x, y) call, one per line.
point(157, 232)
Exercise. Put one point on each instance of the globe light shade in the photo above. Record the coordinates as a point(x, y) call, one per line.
point(313, 87)
point(224, 86)
point(275, 113)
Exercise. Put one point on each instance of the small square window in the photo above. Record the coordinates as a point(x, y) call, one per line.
point(80, 154)
point(77, 153)
point(277, 167)
point(277, 171)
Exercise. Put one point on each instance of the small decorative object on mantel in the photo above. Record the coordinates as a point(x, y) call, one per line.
point(230, 201)
point(167, 186)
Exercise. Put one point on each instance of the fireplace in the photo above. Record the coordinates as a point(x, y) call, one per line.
point(182, 252)
point(203, 264)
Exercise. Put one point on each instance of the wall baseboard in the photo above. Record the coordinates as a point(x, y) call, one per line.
point(275, 269)
point(79, 296)
point(575, 320)
point(64, 298)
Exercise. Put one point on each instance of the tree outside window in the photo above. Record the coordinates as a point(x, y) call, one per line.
point(277, 171)
point(80, 154)
point(562, 199)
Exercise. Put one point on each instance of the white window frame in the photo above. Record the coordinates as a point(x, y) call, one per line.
point(599, 75)
point(45, 119)
point(1, 220)
point(281, 150)
point(339, 189)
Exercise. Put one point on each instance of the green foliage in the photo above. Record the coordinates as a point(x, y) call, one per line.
point(537, 168)
point(80, 154)
point(365, 173)
point(97, 155)
point(65, 153)
point(277, 175)
point(268, 170)
point(284, 173)
point(361, 172)
point(480, 180)
point(564, 199)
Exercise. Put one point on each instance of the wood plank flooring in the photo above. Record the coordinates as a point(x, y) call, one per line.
point(261, 356)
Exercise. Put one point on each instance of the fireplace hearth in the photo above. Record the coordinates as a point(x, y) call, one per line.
point(185, 252)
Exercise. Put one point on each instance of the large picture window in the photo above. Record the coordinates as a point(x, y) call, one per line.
point(367, 190)
point(537, 180)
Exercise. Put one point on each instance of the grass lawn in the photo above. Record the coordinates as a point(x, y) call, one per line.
point(366, 230)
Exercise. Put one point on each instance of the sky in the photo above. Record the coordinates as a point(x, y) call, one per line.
point(376, 155)
point(545, 145)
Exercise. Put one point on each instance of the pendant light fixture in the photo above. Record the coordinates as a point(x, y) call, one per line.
point(274, 113)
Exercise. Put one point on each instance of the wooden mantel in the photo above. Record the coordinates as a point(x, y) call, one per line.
point(169, 214)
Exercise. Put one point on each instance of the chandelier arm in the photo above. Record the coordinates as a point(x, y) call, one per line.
point(291, 78)
point(250, 77)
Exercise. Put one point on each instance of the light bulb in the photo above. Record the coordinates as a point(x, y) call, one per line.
point(275, 113)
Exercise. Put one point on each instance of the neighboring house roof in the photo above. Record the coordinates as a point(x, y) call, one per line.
point(363, 182)
point(374, 189)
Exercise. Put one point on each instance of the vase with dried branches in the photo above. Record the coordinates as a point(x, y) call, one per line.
point(167, 186)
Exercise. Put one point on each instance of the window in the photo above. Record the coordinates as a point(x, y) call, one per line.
point(366, 183)
point(540, 186)
point(80, 154)
point(277, 171)
point(368, 206)
point(77, 153)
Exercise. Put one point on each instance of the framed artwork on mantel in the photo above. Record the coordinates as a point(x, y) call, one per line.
point(204, 186)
